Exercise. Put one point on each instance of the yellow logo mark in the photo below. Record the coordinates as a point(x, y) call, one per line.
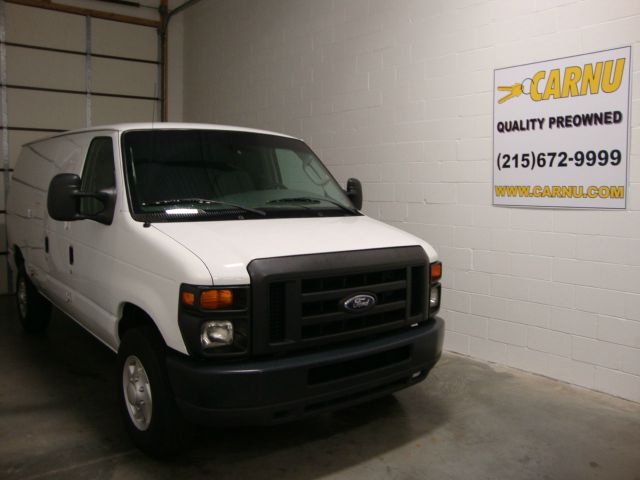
point(575, 81)
point(514, 90)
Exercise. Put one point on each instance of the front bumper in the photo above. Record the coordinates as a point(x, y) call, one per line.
point(283, 389)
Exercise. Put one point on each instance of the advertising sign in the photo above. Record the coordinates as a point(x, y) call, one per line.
point(560, 132)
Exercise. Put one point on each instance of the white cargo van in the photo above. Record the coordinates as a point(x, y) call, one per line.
point(235, 279)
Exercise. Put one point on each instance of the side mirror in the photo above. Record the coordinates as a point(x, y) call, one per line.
point(354, 192)
point(63, 200)
point(108, 199)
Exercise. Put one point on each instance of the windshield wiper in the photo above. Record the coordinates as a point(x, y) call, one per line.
point(313, 200)
point(202, 201)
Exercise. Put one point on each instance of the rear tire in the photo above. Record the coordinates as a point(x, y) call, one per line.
point(148, 406)
point(34, 311)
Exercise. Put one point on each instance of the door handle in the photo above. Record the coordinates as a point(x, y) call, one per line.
point(46, 244)
point(70, 255)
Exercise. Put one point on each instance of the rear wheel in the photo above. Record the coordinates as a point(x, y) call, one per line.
point(150, 413)
point(34, 310)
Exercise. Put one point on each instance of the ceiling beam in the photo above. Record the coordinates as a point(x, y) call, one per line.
point(87, 12)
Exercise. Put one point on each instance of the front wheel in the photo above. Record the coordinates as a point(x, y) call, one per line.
point(34, 311)
point(147, 403)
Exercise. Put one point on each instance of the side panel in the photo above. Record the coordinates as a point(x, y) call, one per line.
point(66, 153)
point(84, 238)
point(128, 263)
point(27, 217)
point(124, 262)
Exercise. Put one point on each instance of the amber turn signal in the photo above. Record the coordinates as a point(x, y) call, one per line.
point(216, 299)
point(436, 271)
point(188, 298)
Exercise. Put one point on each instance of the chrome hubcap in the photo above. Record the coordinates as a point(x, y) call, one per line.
point(137, 392)
point(22, 297)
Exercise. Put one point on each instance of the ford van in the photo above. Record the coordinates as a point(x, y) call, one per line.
point(234, 278)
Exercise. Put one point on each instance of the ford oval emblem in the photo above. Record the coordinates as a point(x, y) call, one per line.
point(360, 302)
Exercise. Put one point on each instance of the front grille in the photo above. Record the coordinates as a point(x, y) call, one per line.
point(301, 299)
point(276, 312)
point(322, 301)
point(349, 324)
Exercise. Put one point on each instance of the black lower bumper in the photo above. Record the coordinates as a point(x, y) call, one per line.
point(279, 390)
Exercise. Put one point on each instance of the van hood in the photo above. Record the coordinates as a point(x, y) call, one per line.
point(227, 247)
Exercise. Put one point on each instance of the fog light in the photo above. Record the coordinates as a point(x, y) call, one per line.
point(216, 333)
point(434, 297)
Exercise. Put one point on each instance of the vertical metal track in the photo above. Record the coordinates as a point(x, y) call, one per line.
point(158, 105)
point(4, 141)
point(4, 114)
point(87, 69)
point(163, 47)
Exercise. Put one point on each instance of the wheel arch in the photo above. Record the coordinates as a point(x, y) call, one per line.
point(18, 257)
point(133, 316)
point(16, 261)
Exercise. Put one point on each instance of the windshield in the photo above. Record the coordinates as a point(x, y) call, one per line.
point(174, 174)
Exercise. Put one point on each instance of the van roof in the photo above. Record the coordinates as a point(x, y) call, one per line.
point(123, 127)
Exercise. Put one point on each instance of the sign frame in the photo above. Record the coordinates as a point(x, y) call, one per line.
point(507, 92)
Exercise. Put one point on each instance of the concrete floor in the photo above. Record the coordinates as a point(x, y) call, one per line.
point(469, 420)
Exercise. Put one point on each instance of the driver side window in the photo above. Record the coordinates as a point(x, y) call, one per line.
point(98, 173)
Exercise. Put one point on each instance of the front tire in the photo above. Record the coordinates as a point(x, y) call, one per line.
point(150, 413)
point(34, 311)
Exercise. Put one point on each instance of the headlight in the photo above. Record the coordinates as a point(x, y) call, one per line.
point(216, 333)
point(214, 321)
point(435, 289)
point(434, 297)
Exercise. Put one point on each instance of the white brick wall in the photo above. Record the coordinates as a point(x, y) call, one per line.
point(398, 93)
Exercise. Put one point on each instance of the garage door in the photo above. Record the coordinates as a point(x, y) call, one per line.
point(62, 71)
